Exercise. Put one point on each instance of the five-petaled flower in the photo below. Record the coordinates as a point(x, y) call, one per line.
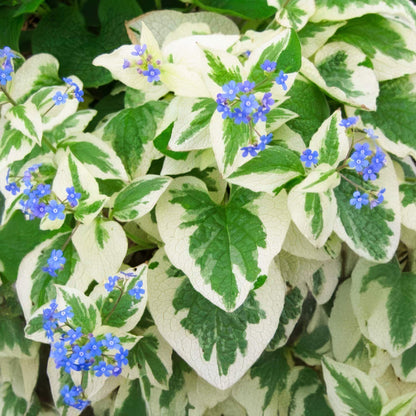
point(309, 157)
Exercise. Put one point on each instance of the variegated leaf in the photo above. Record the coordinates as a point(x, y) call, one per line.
point(139, 197)
point(228, 343)
point(351, 391)
point(222, 249)
point(293, 13)
point(383, 299)
point(338, 69)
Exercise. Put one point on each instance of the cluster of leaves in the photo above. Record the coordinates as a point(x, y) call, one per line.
point(238, 239)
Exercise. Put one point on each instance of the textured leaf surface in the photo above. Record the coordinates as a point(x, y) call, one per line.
point(351, 391)
point(26, 119)
point(139, 197)
point(383, 299)
point(227, 344)
point(223, 249)
point(293, 13)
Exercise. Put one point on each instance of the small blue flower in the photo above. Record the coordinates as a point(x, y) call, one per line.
point(247, 53)
point(359, 200)
point(39, 211)
point(58, 351)
point(34, 167)
point(121, 357)
point(81, 404)
point(60, 98)
point(248, 103)
point(139, 50)
point(5, 76)
point(94, 347)
point(309, 158)
point(126, 64)
point(363, 149)
point(111, 283)
point(378, 160)
point(72, 335)
point(369, 173)
point(137, 291)
point(55, 211)
point(42, 190)
point(267, 100)
point(78, 93)
point(370, 133)
point(57, 259)
point(260, 114)
point(7, 53)
point(281, 80)
point(230, 90)
point(116, 370)
point(69, 395)
point(348, 122)
point(79, 354)
point(13, 188)
point(72, 196)
point(49, 321)
point(249, 150)
point(152, 74)
point(111, 342)
point(379, 200)
point(358, 162)
point(50, 271)
point(64, 315)
point(246, 86)
point(239, 116)
point(268, 66)
point(264, 140)
point(103, 369)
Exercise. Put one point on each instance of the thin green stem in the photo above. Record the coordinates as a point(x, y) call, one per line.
point(408, 179)
point(115, 304)
point(11, 101)
point(71, 235)
point(356, 185)
point(49, 144)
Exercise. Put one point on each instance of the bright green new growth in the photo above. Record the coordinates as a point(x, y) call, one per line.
point(214, 327)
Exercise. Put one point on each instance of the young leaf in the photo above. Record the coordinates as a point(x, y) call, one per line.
point(227, 344)
point(223, 249)
point(294, 13)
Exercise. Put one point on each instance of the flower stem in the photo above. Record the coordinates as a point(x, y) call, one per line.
point(71, 235)
point(11, 101)
point(115, 304)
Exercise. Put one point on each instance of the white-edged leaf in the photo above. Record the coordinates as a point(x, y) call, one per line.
point(101, 246)
point(270, 169)
point(383, 301)
point(27, 119)
point(400, 406)
point(372, 233)
point(72, 173)
point(222, 249)
point(337, 70)
point(98, 156)
point(129, 396)
point(129, 309)
point(351, 391)
point(293, 13)
point(221, 351)
point(139, 197)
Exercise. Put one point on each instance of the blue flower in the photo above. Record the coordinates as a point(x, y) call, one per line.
point(5, 76)
point(358, 162)
point(369, 173)
point(56, 260)
point(116, 370)
point(378, 160)
point(363, 149)
point(81, 404)
point(13, 188)
point(39, 210)
point(94, 347)
point(139, 50)
point(268, 66)
point(249, 150)
point(239, 116)
point(281, 80)
point(79, 354)
point(359, 200)
point(111, 283)
point(58, 352)
point(267, 100)
point(111, 342)
point(49, 321)
point(230, 90)
point(78, 93)
point(260, 114)
point(152, 74)
point(309, 158)
point(137, 291)
point(55, 210)
point(64, 315)
point(126, 64)
point(121, 357)
point(246, 86)
point(379, 200)
point(248, 103)
point(348, 122)
point(60, 98)
point(7, 53)
point(72, 196)
point(264, 140)
point(42, 190)
point(72, 335)
point(50, 271)
point(69, 395)
point(370, 133)
point(103, 369)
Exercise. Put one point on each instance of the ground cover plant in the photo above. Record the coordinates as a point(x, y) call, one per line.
point(209, 210)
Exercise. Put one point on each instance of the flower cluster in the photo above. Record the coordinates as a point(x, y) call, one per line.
point(55, 262)
point(37, 200)
point(73, 350)
point(137, 291)
point(72, 397)
point(144, 63)
point(73, 91)
point(252, 150)
point(6, 66)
